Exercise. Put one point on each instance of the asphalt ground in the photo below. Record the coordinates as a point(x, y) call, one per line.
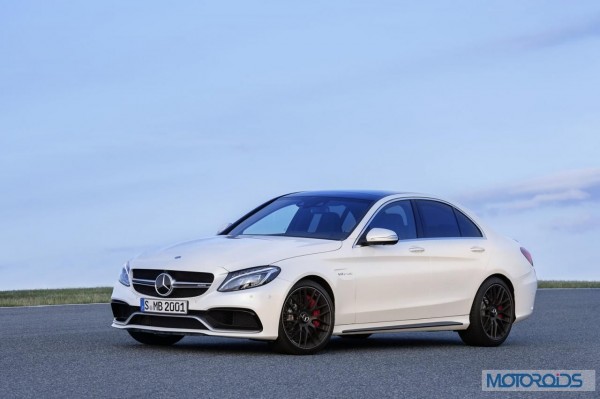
point(72, 352)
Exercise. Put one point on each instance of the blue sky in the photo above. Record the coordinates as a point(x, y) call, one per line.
point(129, 126)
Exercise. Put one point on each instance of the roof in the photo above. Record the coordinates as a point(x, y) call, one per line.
point(372, 195)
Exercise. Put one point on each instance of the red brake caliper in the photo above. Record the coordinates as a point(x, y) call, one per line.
point(316, 312)
point(500, 310)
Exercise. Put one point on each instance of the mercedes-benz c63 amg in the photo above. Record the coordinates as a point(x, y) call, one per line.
point(305, 266)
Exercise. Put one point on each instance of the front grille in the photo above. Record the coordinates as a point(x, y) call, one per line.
point(143, 282)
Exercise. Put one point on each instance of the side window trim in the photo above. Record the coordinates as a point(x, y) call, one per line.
point(418, 222)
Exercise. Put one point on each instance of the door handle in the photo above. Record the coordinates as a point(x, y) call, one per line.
point(477, 249)
point(416, 249)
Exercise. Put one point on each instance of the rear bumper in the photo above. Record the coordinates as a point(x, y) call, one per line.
point(525, 290)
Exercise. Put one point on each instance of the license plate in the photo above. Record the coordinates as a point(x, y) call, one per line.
point(163, 306)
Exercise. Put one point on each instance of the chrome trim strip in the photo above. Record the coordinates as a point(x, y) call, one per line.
point(142, 281)
point(176, 284)
point(186, 284)
point(126, 322)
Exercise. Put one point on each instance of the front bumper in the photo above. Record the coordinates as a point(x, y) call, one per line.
point(252, 313)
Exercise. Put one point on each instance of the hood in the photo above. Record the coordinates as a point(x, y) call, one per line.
point(214, 254)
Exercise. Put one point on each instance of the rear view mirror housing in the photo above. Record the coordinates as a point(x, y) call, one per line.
point(379, 236)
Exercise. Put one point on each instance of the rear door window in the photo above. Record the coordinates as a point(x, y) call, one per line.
point(437, 219)
point(467, 227)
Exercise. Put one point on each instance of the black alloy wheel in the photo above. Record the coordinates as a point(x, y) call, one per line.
point(492, 315)
point(496, 312)
point(306, 320)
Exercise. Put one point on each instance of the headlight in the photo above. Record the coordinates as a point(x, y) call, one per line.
point(249, 278)
point(124, 276)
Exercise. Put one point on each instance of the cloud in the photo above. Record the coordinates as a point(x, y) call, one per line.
point(542, 199)
point(556, 37)
point(563, 188)
point(576, 224)
point(570, 179)
point(565, 34)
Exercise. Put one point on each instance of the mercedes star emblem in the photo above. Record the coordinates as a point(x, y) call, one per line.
point(164, 284)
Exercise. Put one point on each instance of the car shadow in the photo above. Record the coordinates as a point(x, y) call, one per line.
point(229, 346)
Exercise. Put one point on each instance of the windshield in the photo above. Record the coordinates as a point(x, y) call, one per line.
point(311, 216)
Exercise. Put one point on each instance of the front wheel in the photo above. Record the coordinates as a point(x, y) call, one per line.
point(306, 320)
point(155, 339)
point(492, 315)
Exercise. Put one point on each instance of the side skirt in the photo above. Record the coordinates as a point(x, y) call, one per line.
point(404, 327)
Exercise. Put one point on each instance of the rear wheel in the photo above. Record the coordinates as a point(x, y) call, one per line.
point(492, 315)
point(155, 339)
point(306, 320)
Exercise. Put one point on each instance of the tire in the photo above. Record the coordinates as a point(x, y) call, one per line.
point(306, 320)
point(492, 315)
point(155, 339)
point(355, 336)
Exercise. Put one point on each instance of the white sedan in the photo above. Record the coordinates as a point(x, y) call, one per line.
point(305, 266)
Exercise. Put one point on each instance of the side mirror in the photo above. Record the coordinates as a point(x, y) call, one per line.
point(226, 225)
point(379, 236)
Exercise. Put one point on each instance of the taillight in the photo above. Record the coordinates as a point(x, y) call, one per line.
point(527, 255)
